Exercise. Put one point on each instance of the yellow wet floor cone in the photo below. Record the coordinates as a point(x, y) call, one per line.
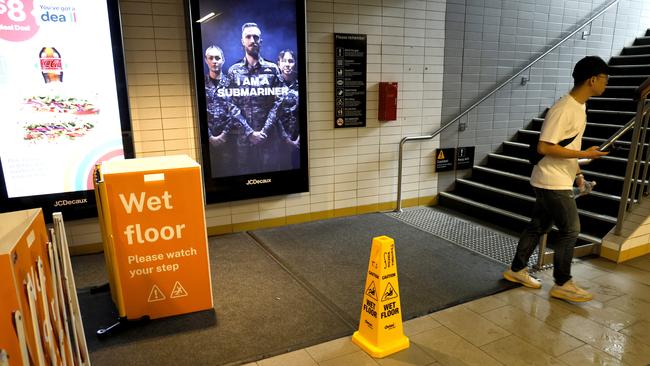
point(380, 327)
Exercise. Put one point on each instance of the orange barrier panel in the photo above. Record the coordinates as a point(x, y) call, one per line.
point(155, 239)
point(9, 342)
point(27, 318)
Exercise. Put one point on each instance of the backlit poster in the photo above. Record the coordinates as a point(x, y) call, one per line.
point(249, 64)
point(63, 101)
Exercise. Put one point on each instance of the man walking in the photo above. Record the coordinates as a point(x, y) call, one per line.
point(553, 178)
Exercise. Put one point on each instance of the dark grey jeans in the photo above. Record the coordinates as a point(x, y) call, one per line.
point(551, 207)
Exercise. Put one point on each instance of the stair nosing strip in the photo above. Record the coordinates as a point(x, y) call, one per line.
point(629, 76)
point(496, 190)
point(508, 174)
point(600, 99)
point(606, 111)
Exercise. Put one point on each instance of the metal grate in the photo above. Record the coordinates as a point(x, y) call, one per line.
point(479, 239)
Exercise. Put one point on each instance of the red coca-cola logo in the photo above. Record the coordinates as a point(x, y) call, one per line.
point(51, 64)
point(17, 23)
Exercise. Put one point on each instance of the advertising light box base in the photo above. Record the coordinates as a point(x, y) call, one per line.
point(155, 241)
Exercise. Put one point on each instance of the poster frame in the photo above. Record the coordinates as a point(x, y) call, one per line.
point(256, 184)
point(82, 204)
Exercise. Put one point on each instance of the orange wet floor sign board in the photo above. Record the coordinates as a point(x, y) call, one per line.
point(380, 327)
point(155, 236)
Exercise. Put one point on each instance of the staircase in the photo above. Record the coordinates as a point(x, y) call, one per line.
point(499, 192)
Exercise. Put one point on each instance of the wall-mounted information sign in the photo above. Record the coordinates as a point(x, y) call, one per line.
point(445, 159)
point(63, 101)
point(465, 157)
point(350, 59)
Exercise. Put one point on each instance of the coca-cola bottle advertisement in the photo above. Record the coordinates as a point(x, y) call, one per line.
point(51, 66)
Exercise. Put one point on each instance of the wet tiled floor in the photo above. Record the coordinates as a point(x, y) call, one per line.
point(522, 327)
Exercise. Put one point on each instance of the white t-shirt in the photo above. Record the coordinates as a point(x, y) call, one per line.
point(567, 118)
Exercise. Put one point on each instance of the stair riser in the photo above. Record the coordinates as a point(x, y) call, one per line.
point(619, 93)
point(502, 182)
point(598, 204)
point(504, 202)
point(612, 105)
point(634, 81)
point(642, 50)
point(642, 41)
point(535, 125)
point(613, 167)
point(512, 150)
point(630, 60)
point(632, 70)
point(510, 166)
point(502, 220)
point(603, 132)
point(526, 138)
point(609, 118)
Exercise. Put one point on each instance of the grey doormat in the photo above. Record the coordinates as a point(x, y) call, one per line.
point(286, 288)
point(331, 257)
point(260, 311)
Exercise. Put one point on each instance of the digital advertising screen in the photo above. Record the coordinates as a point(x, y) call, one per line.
point(63, 101)
point(250, 77)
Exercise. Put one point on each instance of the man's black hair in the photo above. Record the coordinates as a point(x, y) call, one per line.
point(587, 67)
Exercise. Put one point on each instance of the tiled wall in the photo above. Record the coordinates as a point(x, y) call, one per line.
point(349, 168)
point(487, 41)
point(478, 42)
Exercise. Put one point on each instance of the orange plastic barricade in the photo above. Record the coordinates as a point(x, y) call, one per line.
point(31, 320)
point(155, 241)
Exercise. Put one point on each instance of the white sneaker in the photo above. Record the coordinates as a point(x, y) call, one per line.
point(569, 291)
point(522, 277)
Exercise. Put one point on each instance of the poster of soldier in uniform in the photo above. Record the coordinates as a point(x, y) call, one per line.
point(250, 80)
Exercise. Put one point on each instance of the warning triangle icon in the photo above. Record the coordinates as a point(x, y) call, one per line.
point(389, 294)
point(178, 291)
point(156, 294)
point(441, 155)
point(371, 291)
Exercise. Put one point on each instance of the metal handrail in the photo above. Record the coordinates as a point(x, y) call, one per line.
point(610, 141)
point(440, 129)
point(635, 158)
